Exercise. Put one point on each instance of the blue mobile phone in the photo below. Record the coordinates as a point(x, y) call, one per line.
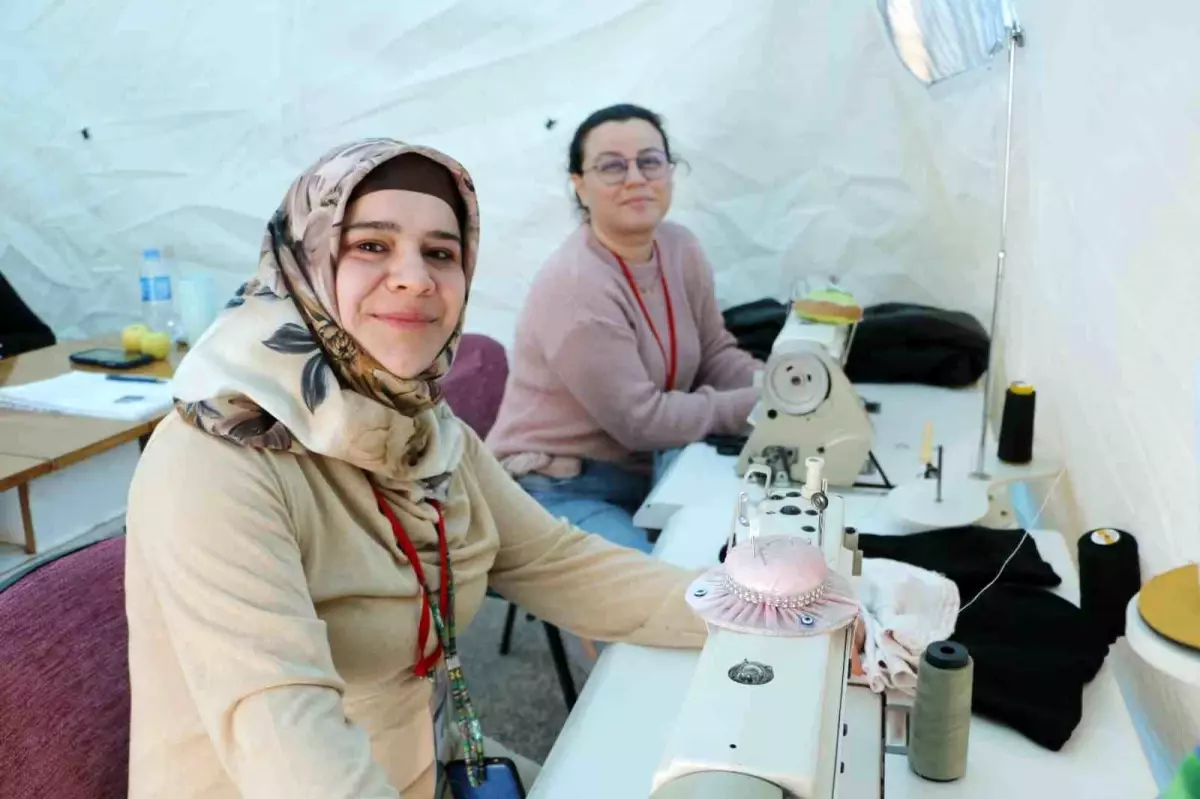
point(502, 781)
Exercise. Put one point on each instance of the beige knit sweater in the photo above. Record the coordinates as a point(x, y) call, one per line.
point(273, 618)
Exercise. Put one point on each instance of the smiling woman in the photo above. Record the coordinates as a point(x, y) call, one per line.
point(311, 531)
point(400, 282)
point(621, 352)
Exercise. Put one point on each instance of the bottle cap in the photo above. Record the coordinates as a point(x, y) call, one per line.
point(151, 252)
point(1021, 388)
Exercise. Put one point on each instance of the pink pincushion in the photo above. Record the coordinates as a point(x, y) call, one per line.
point(782, 570)
point(774, 585)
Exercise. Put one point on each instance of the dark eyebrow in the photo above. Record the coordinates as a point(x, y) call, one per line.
point(443, 235)
point(392, 226)
point(642, 151)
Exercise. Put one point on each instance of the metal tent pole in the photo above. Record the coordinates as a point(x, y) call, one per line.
point(1016, 39)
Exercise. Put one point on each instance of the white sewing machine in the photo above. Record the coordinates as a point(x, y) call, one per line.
point(821, 417)
point(770, 717)
point(808, 405)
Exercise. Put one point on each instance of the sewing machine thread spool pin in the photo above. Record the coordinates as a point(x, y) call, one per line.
point(939, 473)
point(814, 469)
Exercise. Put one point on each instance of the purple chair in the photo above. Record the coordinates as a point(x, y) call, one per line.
point(474, 388)
point(64, 678)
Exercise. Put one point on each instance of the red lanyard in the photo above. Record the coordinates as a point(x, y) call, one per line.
point(637, 295)
point(425, 663)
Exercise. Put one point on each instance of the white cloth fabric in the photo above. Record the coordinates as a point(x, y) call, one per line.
point(904, 609)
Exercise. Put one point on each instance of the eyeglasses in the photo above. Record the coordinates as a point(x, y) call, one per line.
point(613, 169)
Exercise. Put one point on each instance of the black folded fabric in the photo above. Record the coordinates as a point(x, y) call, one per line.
point(906, 343)
point(894, 343)
point(1034, 651)
point(20, 328)
point(970, 556)
point(756, 325)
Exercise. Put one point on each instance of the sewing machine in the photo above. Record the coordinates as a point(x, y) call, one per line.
point(769, 717)
point(823, 417)
point(809, 406)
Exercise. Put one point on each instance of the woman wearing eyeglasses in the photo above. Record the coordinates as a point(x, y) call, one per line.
point(621, 352)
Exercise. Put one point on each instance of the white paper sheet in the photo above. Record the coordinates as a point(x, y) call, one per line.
point(91, 394)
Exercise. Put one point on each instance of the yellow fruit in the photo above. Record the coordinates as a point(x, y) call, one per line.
point(131, 337)
point(157, 345)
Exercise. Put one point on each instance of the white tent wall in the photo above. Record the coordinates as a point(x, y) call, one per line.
point(1102, 286)
point(811, 152)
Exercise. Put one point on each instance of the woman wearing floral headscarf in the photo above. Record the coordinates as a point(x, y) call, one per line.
point(311, 529)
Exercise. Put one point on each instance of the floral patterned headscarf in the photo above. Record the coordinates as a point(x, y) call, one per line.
point(278, 371)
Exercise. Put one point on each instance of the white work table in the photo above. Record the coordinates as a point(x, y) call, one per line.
point(613, 741)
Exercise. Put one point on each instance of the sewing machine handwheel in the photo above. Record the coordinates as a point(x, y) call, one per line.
point(796, 383)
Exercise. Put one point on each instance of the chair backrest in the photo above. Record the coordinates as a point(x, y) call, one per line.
point(64, 679)
point(474, 385)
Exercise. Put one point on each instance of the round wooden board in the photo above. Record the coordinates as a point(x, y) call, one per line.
point(1170, 605)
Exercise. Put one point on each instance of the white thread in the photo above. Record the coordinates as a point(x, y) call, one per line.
point(1032, 524)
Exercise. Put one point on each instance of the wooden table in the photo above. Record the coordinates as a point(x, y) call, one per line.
point(34, 444)
point(53, 361)
point(15, 472)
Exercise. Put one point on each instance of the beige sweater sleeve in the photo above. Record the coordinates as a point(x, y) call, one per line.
point(209, 527)
point(579, 581)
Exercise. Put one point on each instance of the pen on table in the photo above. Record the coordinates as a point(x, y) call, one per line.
point(135, 379)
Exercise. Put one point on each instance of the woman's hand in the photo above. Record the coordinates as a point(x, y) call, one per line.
point(860, 643)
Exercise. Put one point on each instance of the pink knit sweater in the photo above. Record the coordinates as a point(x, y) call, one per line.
point(587, 377)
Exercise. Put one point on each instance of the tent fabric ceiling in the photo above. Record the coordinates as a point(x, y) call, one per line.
point(811, 152)
point(199, 115)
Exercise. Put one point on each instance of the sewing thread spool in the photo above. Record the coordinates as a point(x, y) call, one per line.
point(927, 445)
point(813, 473)
point(1109, 575)
point(1016, 424)
point(940, 723)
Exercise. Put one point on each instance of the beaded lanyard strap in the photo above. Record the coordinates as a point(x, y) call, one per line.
point(441, 610)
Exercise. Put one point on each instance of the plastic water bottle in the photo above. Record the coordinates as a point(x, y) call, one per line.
point(158, 301)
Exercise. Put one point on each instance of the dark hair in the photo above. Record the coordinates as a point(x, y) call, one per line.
point(614, 113)
point(622, 112)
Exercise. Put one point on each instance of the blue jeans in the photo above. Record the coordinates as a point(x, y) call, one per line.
point(601, 500)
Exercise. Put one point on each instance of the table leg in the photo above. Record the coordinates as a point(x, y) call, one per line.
point(27, 519)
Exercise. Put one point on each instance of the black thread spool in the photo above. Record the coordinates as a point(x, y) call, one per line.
point(1016, 424)
point(1109, 576)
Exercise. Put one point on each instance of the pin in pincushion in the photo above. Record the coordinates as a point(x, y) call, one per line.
point(774, 585)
